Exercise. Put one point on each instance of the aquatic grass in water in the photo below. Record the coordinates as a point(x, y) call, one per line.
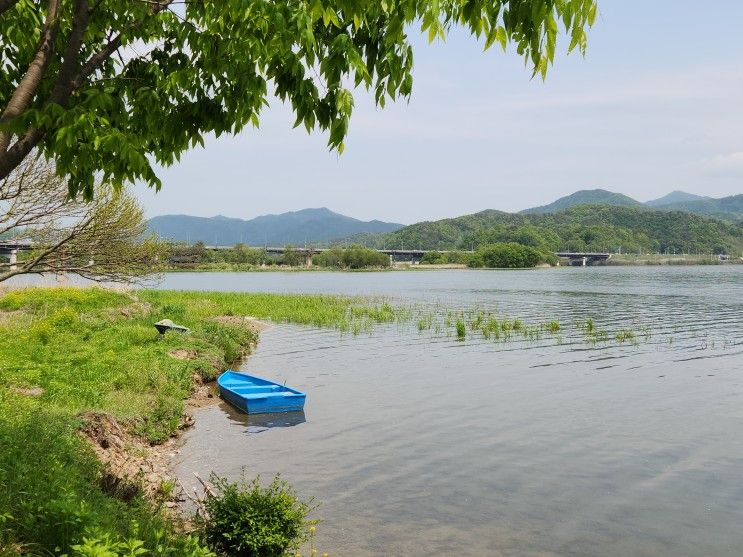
point(625, 335)
point(488, 326)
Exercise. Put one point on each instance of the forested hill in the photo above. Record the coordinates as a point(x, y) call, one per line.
point(726, 208)
point(586, 197)
point(675, 197)
point(580, 228)
point(297, 227)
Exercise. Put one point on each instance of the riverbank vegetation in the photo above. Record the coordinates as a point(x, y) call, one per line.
point(75, 359)
point(502, 255)
point(510, 255)
point(355, 257)
point(242, 258)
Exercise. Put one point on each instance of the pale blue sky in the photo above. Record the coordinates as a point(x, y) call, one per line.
point(656, 105)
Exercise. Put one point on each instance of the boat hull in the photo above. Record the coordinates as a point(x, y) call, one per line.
point(255, 395)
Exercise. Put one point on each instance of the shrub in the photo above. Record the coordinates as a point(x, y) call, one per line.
point(432, 258)
point(250, 520)
point(103, 544)
point(509, 256)
point(354, 257)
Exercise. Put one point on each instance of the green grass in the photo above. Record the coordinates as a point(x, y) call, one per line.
point(96, 350)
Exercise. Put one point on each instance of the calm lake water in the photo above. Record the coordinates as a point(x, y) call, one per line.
point(416, 444)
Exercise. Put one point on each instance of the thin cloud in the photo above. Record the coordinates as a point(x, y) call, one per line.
point(728, 161)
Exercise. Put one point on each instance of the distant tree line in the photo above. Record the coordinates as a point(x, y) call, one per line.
point(240, 256)
point(354, 257)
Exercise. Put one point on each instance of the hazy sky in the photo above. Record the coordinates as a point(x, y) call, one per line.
point(656, 105)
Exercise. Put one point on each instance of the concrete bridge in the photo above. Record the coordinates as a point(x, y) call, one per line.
point(10, 249)
point(414, 255)
point(411, 255)
point(578, 258)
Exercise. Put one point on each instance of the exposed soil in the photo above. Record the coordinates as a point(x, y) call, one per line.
point(28, 391)
point(252, 323)
point(135, 309)
point(6, 316)
point(183, 354)
point(130, 464)
point(203, 394)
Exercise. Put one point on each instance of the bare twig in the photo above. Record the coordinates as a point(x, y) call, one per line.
point(103, 240)
point(207, 488)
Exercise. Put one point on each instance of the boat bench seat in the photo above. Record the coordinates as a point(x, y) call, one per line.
point(267, 394)
point(249, 389)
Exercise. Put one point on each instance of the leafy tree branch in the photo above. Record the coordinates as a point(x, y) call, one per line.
point(188, 69)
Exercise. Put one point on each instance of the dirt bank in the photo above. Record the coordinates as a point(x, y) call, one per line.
point(132, 465)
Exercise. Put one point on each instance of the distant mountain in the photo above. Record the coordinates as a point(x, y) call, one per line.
point(675, 197)
point(585, 197)
point(297, 227)
point(725, 208)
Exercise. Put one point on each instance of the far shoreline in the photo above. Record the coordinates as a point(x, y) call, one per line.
point(614, 261)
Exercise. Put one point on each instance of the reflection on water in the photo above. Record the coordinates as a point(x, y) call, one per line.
point(257, 423)
point(417, 444)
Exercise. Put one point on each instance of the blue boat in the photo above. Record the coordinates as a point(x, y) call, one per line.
point(258, 396)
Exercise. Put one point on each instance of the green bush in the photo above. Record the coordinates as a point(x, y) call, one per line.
point(448, 257)
point(355, 257)
point(249, 520)
point(509, 256)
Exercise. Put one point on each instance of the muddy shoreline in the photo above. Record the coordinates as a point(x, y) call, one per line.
point(131, 465)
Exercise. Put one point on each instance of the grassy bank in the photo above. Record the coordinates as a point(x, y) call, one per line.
point(70, 354)
point(248, 268)
point(661, 259)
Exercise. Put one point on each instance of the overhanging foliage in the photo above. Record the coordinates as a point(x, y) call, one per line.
point(112, 86)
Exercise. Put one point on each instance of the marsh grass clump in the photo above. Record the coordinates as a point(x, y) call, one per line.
point(553, 327)
point(477, 322)
point(506, 327)
point(426, 322)
point(492, 328)
point(461, 330)
point(597, 336)
point(625, 335)
point(250, 520)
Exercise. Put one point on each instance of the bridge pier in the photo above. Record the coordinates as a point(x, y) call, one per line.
point(308, 260)
point(583, 259)
point(13, 259)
